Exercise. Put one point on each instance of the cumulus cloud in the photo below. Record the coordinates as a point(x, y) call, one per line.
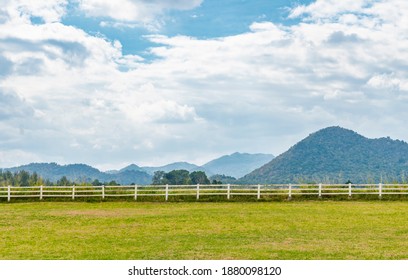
point(260, 91)
point(316, 66)
point(47, 10)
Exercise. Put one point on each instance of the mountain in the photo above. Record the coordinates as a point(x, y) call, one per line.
point(132, 167)
point(336, 155)
point(83, 173)
point(232, 165)
point(237, 164)
point(170, 167)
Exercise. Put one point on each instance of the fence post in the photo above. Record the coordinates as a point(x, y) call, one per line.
point(8, 193)
point(41, 192)
point(380, 185)
point(73, 192)
point(349, 188)
point(259, 192)
point(290, 191)
point(198, 191)
point(167, 192)
point(228, 191)
point(103, 191)
point(135, 192)
point(320, 190)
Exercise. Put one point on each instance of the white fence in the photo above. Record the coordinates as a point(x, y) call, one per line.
point(198, 191)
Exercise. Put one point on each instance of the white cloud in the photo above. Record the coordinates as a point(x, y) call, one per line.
point(134, 10)
point(47, 10)
point(330, 8)
point(162, 111)
point(384, 81)
point(84, 101)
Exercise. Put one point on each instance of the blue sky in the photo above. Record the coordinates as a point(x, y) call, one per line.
point(152, 82)
point(210, 19)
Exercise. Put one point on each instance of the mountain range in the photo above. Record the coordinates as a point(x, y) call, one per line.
point(336, 155)
point(236, 164)
point(83, 173)
point(330, 155)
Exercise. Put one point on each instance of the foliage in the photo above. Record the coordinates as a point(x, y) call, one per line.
point(158, 177)
point(83, 174)
point(222, 179)
point(180, 177)
point(21, 178)
point(199, 177)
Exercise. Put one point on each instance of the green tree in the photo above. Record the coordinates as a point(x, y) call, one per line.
point(222, 179)
point(178, 177)
point(22, 178)
point(158, 178)
point(112, 183)
point(35, 180)
point(64, 181)
point(96, 183)
point(199, 177)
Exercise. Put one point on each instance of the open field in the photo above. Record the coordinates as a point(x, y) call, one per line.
point(226, 230)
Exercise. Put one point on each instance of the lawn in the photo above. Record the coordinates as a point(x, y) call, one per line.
point(189, 230)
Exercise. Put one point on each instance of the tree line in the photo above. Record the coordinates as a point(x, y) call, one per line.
point(176, 177)
point(181, 177)
point(23, 178)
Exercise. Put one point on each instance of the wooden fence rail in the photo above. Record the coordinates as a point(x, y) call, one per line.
point(198, 191)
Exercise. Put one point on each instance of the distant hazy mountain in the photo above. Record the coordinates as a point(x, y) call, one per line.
point(169, 167)
point(335, 154)
point(83, 173)
point(132, 167)
point(237, 164)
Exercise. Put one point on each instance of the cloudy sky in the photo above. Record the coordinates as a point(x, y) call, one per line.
point(109, 83)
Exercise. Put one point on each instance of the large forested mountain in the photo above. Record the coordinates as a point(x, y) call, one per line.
point(335, 154)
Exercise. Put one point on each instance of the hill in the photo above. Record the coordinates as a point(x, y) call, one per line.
point(83, 173)
point(170, 167)
point(335, 154)
point(232, 165)
point(132, 167)
point(237, 164)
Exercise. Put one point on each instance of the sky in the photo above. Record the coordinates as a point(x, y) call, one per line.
point(110, 83)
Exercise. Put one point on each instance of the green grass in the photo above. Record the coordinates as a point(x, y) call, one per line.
point(217, 230)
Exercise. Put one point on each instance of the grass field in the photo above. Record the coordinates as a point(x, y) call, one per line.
point(256, 230)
